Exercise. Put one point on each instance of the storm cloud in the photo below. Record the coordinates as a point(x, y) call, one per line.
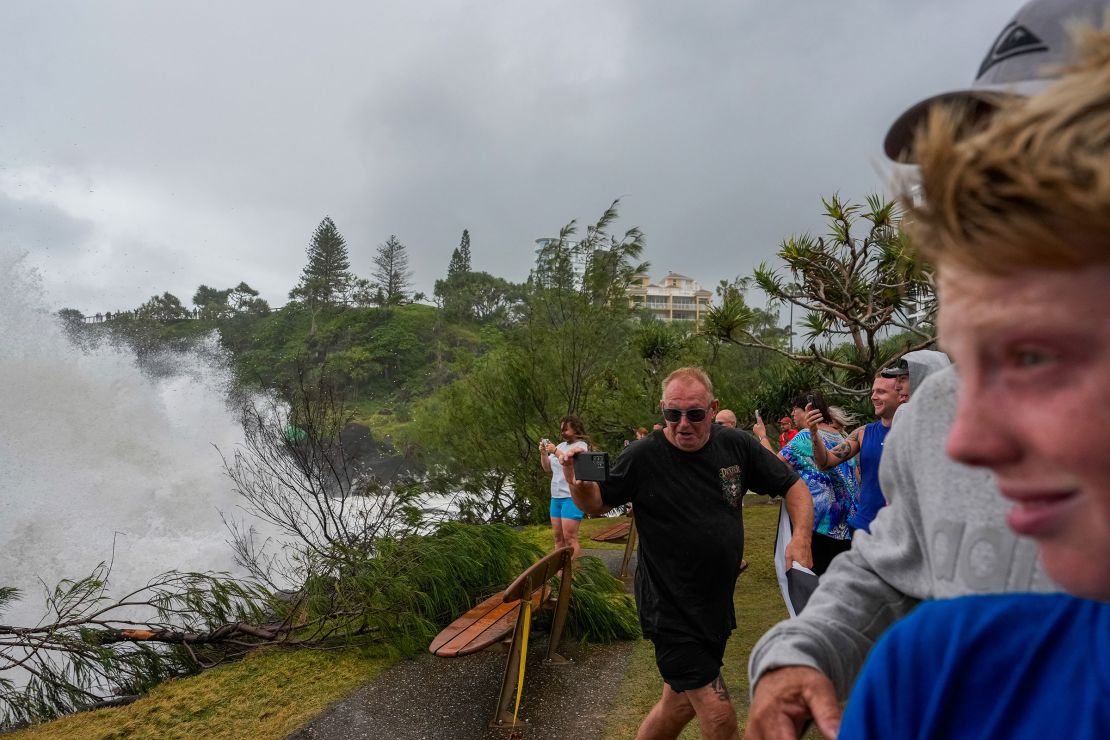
point(147, 147)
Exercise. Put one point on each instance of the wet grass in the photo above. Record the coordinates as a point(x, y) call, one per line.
point(540, 534)
point(267, 695)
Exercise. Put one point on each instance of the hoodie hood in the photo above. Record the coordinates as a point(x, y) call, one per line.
point(922, 364)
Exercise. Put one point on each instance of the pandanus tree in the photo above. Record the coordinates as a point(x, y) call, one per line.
point(856, 287)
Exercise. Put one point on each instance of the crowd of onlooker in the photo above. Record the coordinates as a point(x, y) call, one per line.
point(961, 539)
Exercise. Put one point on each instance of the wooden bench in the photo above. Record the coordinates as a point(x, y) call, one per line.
point(495, 618)
point(617, 534)
point(622, 532)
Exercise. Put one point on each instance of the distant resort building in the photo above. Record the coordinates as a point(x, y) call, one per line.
point(677, 298)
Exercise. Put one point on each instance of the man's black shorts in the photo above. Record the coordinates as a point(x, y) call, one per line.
point(685, 664)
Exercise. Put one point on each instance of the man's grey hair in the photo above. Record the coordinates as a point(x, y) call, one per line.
point(690, 373)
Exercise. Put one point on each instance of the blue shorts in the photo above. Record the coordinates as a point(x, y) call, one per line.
point(564, 508)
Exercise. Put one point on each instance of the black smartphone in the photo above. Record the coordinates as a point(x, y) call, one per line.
point(591, 466)
point(811, 400)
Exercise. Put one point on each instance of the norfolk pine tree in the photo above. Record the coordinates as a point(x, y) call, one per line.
point(454, 267)
point(391, 274)
point(327, 277)
point(464, 251)
point(460, 258)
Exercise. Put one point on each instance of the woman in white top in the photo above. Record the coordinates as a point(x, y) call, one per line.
point(565, 516)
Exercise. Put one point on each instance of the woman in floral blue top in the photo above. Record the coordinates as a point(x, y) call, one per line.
point(835, 491)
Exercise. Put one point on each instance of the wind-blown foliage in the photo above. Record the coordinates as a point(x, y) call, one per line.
point(600, 610)
point(853, 290)
point(577, 309)
point(90, 647)
point(165, 307)
point(294, 473)
point(477, 438)
point(565, 355)
point(214, 304)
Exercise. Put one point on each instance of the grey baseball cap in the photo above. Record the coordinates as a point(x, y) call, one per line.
point(1024, 59)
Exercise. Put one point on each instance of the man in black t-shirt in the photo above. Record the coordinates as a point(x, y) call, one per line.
point(687, 482)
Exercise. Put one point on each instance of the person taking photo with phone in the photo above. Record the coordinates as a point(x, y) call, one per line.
point(687, 482)
point(566, 518)
point(835, 491)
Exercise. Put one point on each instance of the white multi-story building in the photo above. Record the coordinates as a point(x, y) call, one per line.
point(676, 298)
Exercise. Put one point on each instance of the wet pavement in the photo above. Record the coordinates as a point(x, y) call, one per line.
point(454, 699)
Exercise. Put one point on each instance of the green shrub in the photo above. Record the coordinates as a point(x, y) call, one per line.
point(600, 610)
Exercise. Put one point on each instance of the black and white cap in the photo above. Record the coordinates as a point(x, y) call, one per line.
point(897, 370)
point(1024, 59)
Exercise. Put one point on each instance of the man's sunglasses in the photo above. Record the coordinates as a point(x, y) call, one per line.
point(674, 416)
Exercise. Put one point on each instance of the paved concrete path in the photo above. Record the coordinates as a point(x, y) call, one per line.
point(453, 699)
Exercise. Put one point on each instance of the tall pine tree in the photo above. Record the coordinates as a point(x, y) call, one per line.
point(391, 276)
point(464, 251)
point(454, 267)
point(327, 276)
point(460, 258)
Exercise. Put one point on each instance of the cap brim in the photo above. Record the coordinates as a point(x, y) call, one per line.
point(898, 143)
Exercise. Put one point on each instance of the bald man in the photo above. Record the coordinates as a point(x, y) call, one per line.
point(726, 418)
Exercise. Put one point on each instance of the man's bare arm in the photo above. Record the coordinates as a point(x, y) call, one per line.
point(799, 504)
point(587, 497)
point(846, 450)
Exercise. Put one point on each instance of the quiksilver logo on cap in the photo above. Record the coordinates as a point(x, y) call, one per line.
point(1014, 40)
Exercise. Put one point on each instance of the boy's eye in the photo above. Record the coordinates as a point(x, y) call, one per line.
point(1030, 357)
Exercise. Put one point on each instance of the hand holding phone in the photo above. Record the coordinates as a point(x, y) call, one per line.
point(591, 466)
point(760, 429)
point(814, 415)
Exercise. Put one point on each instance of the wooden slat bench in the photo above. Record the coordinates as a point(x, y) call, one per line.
point(495, 618)
point(623, 532)
point(617, 534)
point(486, 624)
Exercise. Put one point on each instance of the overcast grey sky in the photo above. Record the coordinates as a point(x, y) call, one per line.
point(150, 146)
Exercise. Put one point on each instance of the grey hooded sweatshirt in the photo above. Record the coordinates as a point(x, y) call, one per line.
point(942, 535)
point(922, 363)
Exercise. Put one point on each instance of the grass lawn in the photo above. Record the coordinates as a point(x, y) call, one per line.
point(267, 695)
point(540, 534)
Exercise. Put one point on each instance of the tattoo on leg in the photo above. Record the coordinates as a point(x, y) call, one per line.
point(719, 688)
